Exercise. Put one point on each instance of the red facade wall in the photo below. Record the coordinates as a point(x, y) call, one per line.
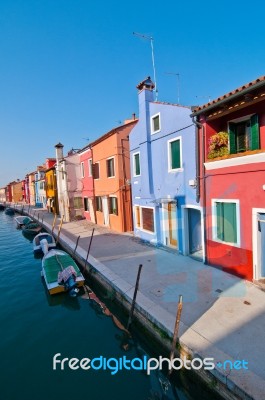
point(243, 183)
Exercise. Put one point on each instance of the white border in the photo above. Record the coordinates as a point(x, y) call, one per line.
point(134, 169)
point(256, 270)
point(152, 125)
point(82, 169)
point(114, 167)
point(90, 167)
point(214, 221)
point(234, 161)
point(169, 154)
point(185, 229)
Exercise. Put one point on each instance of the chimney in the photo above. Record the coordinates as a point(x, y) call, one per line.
point(59, 152)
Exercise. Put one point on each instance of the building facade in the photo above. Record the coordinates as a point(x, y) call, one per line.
point(163, 170)
point(111, 174)
point(86, 165)
point(232, 180)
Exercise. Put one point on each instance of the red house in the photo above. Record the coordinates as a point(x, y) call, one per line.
point(86, 164)
point(231, 179)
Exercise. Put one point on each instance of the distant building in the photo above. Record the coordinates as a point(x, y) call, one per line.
point(69, 185)
point(86, 165)
point(3, 194)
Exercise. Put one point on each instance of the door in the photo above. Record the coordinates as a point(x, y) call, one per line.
point(91, 210)
point(261, 246)
point(105, 208)
point(195, 236)
point(172, 224)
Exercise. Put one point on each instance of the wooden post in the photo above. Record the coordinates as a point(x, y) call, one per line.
point(77, 240)
point(59, 231)
point(134, 296)
point(22, 209)
point(38, 216)
point(176, 329)
point(54, 222)
point(28, 208)
point(42, 219)
point(88, 250)
point(33, 213)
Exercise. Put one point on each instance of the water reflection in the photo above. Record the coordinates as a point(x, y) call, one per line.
point(61, 299)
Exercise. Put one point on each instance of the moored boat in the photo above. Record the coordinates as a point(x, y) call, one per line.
point(61, 273)
point(9, 211)
point(42, 239)
point(2, 207)
point(22, 220)
point(32, 228)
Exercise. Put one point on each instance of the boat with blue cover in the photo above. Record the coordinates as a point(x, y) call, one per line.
point(22, 220)
point(9, 211)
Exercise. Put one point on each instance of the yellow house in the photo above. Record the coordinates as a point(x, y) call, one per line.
point(51, 190)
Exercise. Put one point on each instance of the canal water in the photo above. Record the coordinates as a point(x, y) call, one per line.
point(35, 326)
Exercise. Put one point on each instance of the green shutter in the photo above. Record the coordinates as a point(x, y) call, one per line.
point(220, 219)
point(232, 138)
point(254, 132)
point(137, 164)
point(175, 154)
point(230, 233)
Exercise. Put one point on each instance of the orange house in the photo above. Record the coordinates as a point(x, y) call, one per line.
point(111, 174)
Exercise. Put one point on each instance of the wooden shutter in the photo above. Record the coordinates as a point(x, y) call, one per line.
point(254, 132)
point(232, 138)
point(148, 219)
point(175, 154)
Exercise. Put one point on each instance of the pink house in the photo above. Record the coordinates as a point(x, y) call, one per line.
point(86, 164)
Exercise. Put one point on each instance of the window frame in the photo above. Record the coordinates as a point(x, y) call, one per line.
point(169, 154)
point(98, 209)
point(86, 204)
point(90, 167)
point(134, 164)
point(110, 205)
point(153, 131)
point(214, 221)
point(82, 169)
point(107, 169)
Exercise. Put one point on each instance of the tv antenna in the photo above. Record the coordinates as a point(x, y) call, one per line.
point(153, 56)
point(177, 75)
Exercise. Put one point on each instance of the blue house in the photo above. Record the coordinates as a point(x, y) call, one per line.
point(163, 175)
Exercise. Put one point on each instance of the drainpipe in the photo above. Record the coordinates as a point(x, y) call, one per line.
point(201, 178)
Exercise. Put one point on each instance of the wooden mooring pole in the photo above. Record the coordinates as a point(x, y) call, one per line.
point(176, 330)
point(59, 230)
point(88, 250)
point(134, 296)
point(54, 222)
point(77, 240)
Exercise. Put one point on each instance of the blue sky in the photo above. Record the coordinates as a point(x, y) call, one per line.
point(69, 68)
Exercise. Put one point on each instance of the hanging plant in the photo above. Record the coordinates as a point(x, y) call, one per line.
point(218, 145)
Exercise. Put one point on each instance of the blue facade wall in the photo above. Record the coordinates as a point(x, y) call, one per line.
point(157, 186)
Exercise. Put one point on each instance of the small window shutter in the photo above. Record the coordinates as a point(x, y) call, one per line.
point(232, 138)
point(220, 221)
point(175, 154)
point(254, 132)
point(230, 232)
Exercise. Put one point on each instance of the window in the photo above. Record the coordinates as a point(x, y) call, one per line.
point(137, 217)
point(90, 167)
point(86, 204)
point(78, 203)
point(110, 167)
point(155, 123)
point(244, 135)
point(98, 203)
point(41, 185)
point(96, 170)
point(136, 164)
point(174, 154)
point(113, 205)
point(82, 170)
point(226, 226)
point(148, 219)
